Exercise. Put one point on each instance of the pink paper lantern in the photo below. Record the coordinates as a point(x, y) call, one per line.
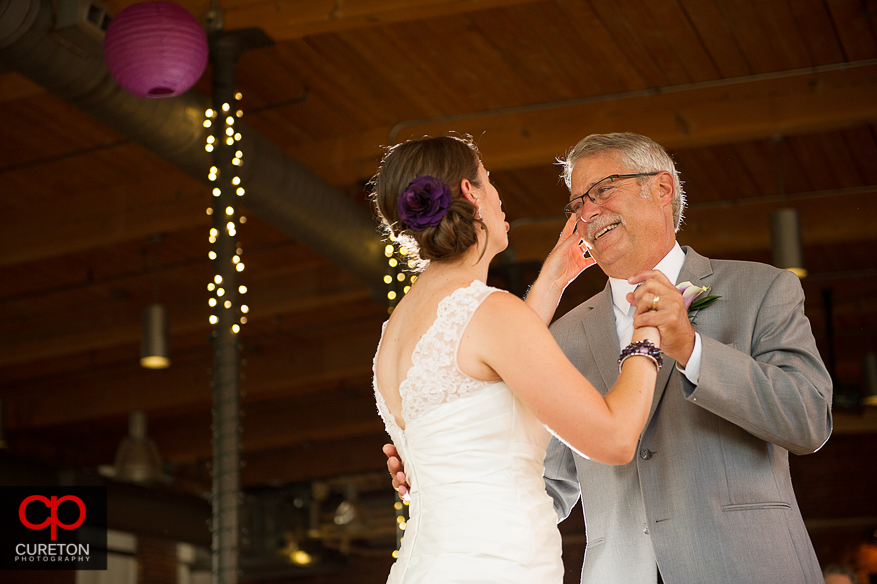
point(155, 49)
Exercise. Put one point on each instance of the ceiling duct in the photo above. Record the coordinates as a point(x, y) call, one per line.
point(280, 190)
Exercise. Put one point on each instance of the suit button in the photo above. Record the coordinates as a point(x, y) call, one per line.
point(646, 529)
point(645, 454)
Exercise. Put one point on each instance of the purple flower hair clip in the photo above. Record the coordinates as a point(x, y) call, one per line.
point(424, 202)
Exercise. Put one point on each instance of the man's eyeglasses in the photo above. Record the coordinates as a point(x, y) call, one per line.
point(600, 192)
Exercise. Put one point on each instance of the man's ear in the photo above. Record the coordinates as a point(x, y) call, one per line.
point(664, 185)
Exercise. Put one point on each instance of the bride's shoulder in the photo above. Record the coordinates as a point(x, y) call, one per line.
point(503, 306)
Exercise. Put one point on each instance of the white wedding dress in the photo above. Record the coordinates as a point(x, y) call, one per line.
point(473, 456)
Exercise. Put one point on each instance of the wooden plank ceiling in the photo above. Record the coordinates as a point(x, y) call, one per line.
point(742, 93)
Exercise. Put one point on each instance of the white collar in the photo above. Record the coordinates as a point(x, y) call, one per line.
point(670, 266)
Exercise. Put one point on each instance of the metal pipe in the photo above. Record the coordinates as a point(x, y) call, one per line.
point(281, 190)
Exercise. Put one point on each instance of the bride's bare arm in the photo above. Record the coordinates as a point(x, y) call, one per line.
point(507, 339)
point(565, 262)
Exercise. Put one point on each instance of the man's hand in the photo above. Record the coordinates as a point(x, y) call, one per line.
point(397, 470)
point(668, 314)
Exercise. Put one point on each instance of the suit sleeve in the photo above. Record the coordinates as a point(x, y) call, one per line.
point(774, 384)
point(561, 480)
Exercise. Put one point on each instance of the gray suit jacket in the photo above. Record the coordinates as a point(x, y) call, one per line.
point(708, 496)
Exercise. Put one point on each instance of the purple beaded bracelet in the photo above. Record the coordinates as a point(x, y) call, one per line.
point(645, 348)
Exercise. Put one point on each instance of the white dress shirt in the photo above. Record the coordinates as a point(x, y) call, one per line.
point(670, 266)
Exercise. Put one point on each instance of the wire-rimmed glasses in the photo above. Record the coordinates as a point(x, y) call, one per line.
point(600, 192)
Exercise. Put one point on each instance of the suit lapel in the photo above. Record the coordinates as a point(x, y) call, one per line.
point(695, 269)
point(599, 330)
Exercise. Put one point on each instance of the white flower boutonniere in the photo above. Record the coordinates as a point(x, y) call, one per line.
point(690, 294)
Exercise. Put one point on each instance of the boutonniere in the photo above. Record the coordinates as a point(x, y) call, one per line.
point(690, 294)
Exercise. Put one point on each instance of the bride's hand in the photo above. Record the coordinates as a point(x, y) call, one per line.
point(568, 259)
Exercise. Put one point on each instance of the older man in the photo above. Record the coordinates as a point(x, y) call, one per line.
point(708, 499)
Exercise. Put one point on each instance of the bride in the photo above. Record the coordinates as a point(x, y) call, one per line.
point(470, 383)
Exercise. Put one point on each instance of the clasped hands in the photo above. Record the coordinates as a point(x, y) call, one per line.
point(659, 304)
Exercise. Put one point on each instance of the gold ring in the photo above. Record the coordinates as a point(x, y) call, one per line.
point(655, 302)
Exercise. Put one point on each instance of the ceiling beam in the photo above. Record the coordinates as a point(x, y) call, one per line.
point(284, 368)
point(97, 322)
point(14, 85)
point(309, 460)
point(332, 413)
point(695, 115)
point(162, 200)
point(285, 21)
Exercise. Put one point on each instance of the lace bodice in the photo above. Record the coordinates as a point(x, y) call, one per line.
point(434, 377)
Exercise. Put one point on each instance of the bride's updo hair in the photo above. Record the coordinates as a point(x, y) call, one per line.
point(449, 159)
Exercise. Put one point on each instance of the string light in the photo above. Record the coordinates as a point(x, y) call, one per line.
point(401, 510)
point(395, 278)
point(223, 131)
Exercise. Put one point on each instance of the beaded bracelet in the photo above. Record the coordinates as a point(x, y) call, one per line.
point(644, 348)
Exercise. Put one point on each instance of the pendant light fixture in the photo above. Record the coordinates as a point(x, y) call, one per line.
point(154, 352)
point(786, 242)
point(153, 338)
point(869, 374)
point(785, 228)
point(137, 459)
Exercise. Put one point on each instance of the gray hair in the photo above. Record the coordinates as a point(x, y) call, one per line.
point(638, 153)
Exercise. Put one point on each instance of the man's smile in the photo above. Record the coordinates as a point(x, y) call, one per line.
point(605, 230)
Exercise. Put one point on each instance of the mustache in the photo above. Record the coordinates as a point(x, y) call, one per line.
point(599, 223)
